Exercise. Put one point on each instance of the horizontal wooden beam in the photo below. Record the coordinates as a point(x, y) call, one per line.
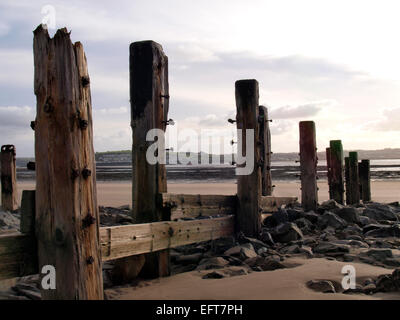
point(18, 253)
point(194, 205)
point(123, 241)
point(271, 203)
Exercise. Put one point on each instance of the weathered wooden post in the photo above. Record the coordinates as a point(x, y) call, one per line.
point(308, 165)
point(67, 216)
point(265, 151)
point(354, 182)
point(249, 185)
point(336, 172)
point(9, 200)
point(149, 94)
point(347, 177)
point(328, 171)
point(27, 224)
point(365, 180)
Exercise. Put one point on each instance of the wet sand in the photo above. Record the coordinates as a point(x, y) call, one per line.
point(119, 193)
point(283, 284)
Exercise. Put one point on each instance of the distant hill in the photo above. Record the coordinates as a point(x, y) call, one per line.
point(124, 156)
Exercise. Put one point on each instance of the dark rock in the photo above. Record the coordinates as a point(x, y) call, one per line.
point(385, 283)
point(243, 251)
point(212, 263)
point(189, 259)
point(364, 220)
point(329, 205)
point(305, 225)
point(287, 232)
point(384, 232)
point(380, 211)
point(9, 221)
point(276, 218)
point(357, 290)
point(349, 214)
point(267, 238)
point(329, 219)
point(294, 214)
point(310, 216)
point(220, 245)
point(324, 286)
point(214, 275)
point(257, 244)
point(369, 288)
point(379, 254)
point(327, 247)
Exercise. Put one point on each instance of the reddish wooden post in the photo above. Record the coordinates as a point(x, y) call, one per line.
point(249, 185)
point(67, 216)
point(365, 180)
point(328, 171)
point(265, 151)
point(308, 165)
point(8, 178)
point(149, 94)
point(336, 171)
point(354, 182)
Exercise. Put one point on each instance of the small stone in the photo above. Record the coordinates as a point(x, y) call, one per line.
point(212, 263)
point(349, 214)
point(287, 232)
point(329, 219)
point(324, 286)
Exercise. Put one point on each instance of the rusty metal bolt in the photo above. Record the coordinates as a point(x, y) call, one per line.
point(85, 81)
point(166, 96)
point(90, 260)
point(88, 220)
point(74, 174)
point(170, 231)
point(33, 125)
point(86, 173)
point(231, 121)
point(83, 124)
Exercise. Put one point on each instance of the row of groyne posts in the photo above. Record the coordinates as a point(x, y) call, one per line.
point(60, 227)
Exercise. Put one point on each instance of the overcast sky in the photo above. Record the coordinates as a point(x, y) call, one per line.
point(334, 62)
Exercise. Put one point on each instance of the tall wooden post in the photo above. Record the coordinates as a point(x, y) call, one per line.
point(328, 171)
point(336, 164)
point(354, 179)
point(365, 180)
point(308, 165)
point(347, 176)
point(249, 186)
point(265, 151)
point(9, 200)
point(149, 94)
point(67, 217)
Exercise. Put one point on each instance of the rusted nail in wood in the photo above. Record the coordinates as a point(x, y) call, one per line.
point(48, 106)
point(86, 173)
point(231, 121)
point(33, 125)
point(166, 96)
point(85, 81)
point(90, 260)
point(233, 142)
point(168, 122)
point(31, 166)
point(74, 174)
point(88, 220)
point(83, 124)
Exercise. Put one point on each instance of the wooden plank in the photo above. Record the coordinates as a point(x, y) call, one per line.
point(347, 178)
point(248, 217)
point(328, 172)
point(18, 252)
point(67, 217)
point(123, 241)
point(192, 206)
point(9, 193)
point(18, 256)
point(27, 224)
point(265, 152)
point(336, 171)
point(308, 165)
point(149, 92)
point(271, 204)
point(365, 180)
point(354, 182)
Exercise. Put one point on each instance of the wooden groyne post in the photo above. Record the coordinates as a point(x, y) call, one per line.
point(149, 93)
point(9, 200)
point(365, 180)
point(67, 217)
point(308, 165)
point(354, 182)
point(328, 171)
point(336, 184)
point(265, 151)
point(248, 216)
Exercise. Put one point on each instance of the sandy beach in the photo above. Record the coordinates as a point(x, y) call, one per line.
point(119, 193)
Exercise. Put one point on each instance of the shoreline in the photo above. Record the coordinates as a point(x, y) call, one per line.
point(118, 193)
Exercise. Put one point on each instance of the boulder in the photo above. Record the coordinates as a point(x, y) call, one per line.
point(243, 251)
point(287, 232)
point(213, 275)
point(212, 263)
point(276, 218)
point(384, 231)
point(189, 258)
point(329, 219)
point(9, 221)
point(378, 211)
point(310, 216)
point(364, 220)
point(349, 214)
point(266, 237)
point(328, 247)
point(329, 205)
